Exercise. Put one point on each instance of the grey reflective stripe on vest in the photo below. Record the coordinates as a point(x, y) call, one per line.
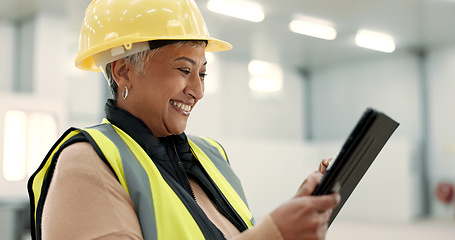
point(137, 181)
point(221, 164)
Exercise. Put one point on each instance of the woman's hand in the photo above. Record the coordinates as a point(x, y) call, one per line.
point(306, 217)
point(324, 164)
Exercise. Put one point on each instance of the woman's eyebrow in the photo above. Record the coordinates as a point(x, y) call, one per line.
point(187, 59)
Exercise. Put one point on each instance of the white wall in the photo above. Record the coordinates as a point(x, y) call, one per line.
point(49, 55)
point(341, 93)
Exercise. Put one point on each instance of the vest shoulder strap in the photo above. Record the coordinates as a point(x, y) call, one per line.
point(130, 173)
point(216, 153)
point(214, 160)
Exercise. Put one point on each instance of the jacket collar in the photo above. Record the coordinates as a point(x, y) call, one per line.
point(135, 128)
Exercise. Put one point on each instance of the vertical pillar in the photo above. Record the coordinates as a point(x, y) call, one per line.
point(7, 42)
point(23, 55)
point(424, 149)
point(308, 108)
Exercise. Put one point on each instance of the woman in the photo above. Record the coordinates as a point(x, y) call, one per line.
point(137, 175)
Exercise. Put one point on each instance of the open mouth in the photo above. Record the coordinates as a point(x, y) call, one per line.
point(181, 106)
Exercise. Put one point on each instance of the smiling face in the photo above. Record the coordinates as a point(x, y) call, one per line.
point(163, 95)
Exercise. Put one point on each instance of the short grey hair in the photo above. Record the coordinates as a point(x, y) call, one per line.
point(139, 60)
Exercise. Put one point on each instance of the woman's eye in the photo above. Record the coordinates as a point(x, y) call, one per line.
point(186, 72)
point(202, 75)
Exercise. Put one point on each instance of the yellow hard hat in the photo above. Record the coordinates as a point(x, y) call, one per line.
point(113, 29)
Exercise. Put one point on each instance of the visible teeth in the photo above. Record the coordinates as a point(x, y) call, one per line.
point(182, 106)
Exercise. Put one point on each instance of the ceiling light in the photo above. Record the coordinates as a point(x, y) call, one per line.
point(257, 67)
point(239, 9)
point(14, 146)
point(265, 77)
point(27, 138)
point(313, 27)
point(42, 132)
point(375, 41)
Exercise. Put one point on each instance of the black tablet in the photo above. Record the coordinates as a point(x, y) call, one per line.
point(355, 157)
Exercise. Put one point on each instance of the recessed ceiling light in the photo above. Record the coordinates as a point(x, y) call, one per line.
point(375, 41)
point(239, 9)
point(313, 27)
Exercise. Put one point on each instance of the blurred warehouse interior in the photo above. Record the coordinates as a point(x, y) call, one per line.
point(281, 100)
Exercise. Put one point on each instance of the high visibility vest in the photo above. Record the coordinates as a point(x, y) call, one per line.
point(149, 192)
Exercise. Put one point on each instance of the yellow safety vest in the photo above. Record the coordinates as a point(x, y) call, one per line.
point(149, 192)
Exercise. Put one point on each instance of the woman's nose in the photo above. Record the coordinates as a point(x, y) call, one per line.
point(195, 87)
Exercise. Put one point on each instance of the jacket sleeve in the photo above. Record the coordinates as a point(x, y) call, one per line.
point(85, 200)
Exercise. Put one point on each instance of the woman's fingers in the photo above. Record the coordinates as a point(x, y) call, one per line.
point(308, 186)
point(324, 165)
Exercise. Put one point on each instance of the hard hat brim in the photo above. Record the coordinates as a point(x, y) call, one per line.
point(84, 60)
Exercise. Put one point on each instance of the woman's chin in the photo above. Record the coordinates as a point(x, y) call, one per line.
point(178, 129)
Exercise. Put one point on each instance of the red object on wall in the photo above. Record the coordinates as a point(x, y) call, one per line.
point(445, 192)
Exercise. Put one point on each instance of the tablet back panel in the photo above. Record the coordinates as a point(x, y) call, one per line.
point(355, 157)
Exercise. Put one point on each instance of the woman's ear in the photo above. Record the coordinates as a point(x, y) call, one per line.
point(120, 72)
